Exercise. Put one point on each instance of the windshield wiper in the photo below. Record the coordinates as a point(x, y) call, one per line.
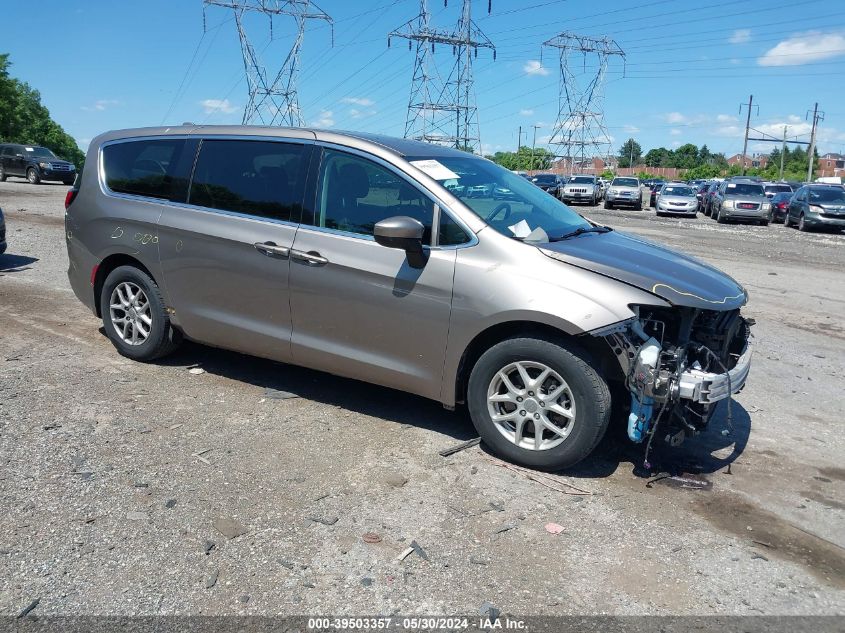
point(581, 231)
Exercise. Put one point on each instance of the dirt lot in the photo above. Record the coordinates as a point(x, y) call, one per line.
point(147, 489)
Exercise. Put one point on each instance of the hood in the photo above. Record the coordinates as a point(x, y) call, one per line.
point(679, 279)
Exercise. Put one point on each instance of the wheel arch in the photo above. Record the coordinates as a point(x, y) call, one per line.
point(107, 266)
point(600, 354)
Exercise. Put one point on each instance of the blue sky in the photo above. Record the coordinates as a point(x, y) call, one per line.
point(103, 65)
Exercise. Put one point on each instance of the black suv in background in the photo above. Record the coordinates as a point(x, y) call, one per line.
point(34, 163)
point(550, 183)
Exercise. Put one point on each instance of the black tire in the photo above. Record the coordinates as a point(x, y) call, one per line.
point(32, 176)
point(764, 223)
point(802, 224)
point(589, 391)
point(718, 217)
point(638, 206)
point(68, 182)
point(163, 338)
point(607, 205)
point(786, 221)
point(3, 175)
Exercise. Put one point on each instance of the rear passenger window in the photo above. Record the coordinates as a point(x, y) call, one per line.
point(263, 178)
point(356, 193)
point(152, 168)
point(450, 232)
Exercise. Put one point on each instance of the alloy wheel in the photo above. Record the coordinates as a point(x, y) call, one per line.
point(531, 405)
point(129, 310)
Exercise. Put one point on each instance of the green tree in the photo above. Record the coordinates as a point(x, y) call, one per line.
point(630, 150)
point(659, 157)
point(24, 119)
point(685, 157)
point(525, 159)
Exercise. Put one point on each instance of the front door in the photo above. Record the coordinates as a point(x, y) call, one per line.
point(225, 255)
point(359, 309)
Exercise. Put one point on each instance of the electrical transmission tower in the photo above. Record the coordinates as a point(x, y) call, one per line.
point(443, 111)
point(273, 99)
point(579, 133)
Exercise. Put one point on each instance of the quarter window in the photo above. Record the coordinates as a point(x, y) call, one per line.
point(450, 232)
point(263, 178)
point(355, 193)
point(152, 168)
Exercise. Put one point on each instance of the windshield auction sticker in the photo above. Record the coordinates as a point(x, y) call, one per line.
point(436, 170)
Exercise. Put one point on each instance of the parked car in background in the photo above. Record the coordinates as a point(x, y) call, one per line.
point(741, 200)
point(772, 188)
point(780, 206)
point(817, 206)
point(707, 197)
point(275, 242)
point(550, 183)
point(676, 198)
point(2, 232)
point(35, 163)
point(582, 188)
point(699, 194)
point(654, 189)
point(624, 191)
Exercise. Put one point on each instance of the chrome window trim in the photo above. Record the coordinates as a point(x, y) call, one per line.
point(185, 205)
point(397, 170)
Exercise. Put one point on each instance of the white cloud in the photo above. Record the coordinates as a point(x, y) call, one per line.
point(793, 118)
point(631, 129)
point(675, 132)
point(725, 118)
point(359, 101)
point(740, 36)
point(676, 117)
point(101, 105)
point(533, 67)
point(804, 48)
point(326, 119)
point(218, 105)
point(526, 112)
point(360, 114)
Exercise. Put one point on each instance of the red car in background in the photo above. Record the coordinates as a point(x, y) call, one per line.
point(780, 206)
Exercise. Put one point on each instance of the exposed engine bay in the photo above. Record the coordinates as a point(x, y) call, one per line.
point(679, 363)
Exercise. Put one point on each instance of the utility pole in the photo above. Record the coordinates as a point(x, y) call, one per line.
point(518, 143)
point(631, 160)
point(534, 143)
point(782, 152)
point(747, 128)
point(273, 99)
point(811, 153)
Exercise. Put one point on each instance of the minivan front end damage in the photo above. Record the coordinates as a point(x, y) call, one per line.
point(678, 363)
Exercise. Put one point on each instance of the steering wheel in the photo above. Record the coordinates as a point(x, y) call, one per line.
point(499, 207)
point(147, 164)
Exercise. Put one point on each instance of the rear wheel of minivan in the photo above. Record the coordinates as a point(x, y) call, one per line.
point(538, 402)
point(134, 315)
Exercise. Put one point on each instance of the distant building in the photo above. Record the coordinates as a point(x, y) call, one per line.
point(831, 165)
point(756, 161)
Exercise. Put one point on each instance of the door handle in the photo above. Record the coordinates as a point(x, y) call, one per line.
point(271, 249)
point(311, 258)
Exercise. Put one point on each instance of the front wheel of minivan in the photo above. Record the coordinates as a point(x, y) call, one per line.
point(134, 315)
point(538, 402)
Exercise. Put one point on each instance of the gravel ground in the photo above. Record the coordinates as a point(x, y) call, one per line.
point(148, 489)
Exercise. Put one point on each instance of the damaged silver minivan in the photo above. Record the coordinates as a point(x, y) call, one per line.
point(409, 265)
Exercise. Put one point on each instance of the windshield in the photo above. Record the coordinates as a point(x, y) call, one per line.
point(778, 188)
point(545, 178)
point(677, 190)
point(39, 152)
point(828, 195)
point(510, 204)
point(625, 182)
point(743, 189)
point(583, 180)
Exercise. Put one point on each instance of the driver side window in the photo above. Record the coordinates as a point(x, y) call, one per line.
point(355, 193)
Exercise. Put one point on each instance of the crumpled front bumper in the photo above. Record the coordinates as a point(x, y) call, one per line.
point(706, 387)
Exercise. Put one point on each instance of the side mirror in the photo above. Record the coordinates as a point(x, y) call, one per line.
point(403, 233)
